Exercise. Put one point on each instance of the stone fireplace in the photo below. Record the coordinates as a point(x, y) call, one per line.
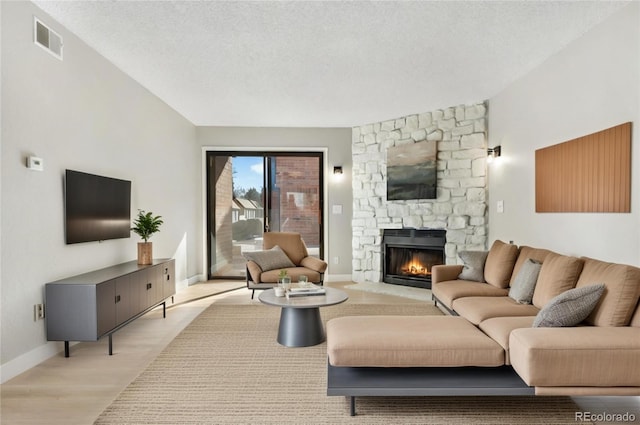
point(460, 208)
point(409, 255)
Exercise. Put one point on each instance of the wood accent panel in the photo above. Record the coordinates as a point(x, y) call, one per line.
point(588, 174)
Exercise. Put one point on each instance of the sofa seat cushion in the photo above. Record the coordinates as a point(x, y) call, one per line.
point(448, 291)
point(409, 341)
point(499, 329)
point(582, 356)
point(478, 309)
point(558, 273)
point(620, 297)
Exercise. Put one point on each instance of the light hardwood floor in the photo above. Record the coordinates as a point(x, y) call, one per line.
point(76, 390)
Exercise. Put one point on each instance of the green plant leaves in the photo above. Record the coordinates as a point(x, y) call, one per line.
point(146, 224)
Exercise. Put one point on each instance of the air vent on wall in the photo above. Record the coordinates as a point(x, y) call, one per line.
point(46, 38)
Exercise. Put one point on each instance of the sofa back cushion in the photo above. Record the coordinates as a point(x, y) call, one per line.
point(499, 264)
point(622, 290)
point(527, 252)
point(558, 273)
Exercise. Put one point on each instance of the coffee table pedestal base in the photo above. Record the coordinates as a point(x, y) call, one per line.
point(300, 327)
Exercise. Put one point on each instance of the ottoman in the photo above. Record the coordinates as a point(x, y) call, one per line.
point(415, 356)
point(409, 341)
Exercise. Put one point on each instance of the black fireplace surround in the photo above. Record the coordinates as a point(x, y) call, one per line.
point(409, 254)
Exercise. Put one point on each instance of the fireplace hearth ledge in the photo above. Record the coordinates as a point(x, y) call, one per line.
point(415, 293)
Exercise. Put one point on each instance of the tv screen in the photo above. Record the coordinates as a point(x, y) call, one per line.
point(97, 208)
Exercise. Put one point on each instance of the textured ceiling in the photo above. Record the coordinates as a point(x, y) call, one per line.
point(324, 64)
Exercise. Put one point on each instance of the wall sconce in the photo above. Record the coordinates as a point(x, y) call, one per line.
point(495, 152)
point(337, 170)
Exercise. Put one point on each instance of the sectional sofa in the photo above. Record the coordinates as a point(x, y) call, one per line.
point(531, 321)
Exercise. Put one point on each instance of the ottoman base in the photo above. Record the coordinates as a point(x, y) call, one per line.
point(424, 381)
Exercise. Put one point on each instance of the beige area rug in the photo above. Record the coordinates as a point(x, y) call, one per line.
point(227, 368)
point(390, 289)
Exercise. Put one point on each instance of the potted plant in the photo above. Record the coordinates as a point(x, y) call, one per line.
point(145, 225)
point(284, 279)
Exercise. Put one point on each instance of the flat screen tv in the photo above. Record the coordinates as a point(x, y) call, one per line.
point(97, 208)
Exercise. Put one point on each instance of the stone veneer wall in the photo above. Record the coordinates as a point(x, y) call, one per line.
point(460, 207)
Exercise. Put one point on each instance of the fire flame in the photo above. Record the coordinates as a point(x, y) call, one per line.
point(414, 267)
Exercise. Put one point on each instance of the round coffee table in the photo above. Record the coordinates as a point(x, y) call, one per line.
point(300, 322)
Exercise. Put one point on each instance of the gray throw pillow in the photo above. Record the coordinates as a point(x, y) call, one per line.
point(525, 282)
point(569, 308)
point(272, 259)
point(473, 268)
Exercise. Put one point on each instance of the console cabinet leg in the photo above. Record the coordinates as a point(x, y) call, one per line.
point(66, 348)
point(110, 345)
point(352, 403)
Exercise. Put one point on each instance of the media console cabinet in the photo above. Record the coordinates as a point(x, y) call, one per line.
point(89, 306)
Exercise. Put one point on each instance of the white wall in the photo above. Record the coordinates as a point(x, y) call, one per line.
point(85, 114)
point(591, 85)
point(337, 142)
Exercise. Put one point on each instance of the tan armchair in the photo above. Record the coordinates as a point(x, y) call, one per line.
point(294, 250)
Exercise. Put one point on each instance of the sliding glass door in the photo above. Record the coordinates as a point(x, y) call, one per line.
point(253, 192)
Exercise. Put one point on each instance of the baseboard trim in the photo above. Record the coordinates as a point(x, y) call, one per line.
point(21, 364)
point(195, 279)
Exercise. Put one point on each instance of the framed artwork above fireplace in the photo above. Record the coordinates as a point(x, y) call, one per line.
point(411, 171)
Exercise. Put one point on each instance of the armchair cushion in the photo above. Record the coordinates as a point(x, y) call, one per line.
point(271, 259)
point(294, 273)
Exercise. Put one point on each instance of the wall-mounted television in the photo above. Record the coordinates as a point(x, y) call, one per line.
point(97, 208)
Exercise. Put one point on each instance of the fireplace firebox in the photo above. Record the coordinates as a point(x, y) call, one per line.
point(409, 255)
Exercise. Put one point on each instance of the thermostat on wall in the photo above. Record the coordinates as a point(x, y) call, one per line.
point(35, 163)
